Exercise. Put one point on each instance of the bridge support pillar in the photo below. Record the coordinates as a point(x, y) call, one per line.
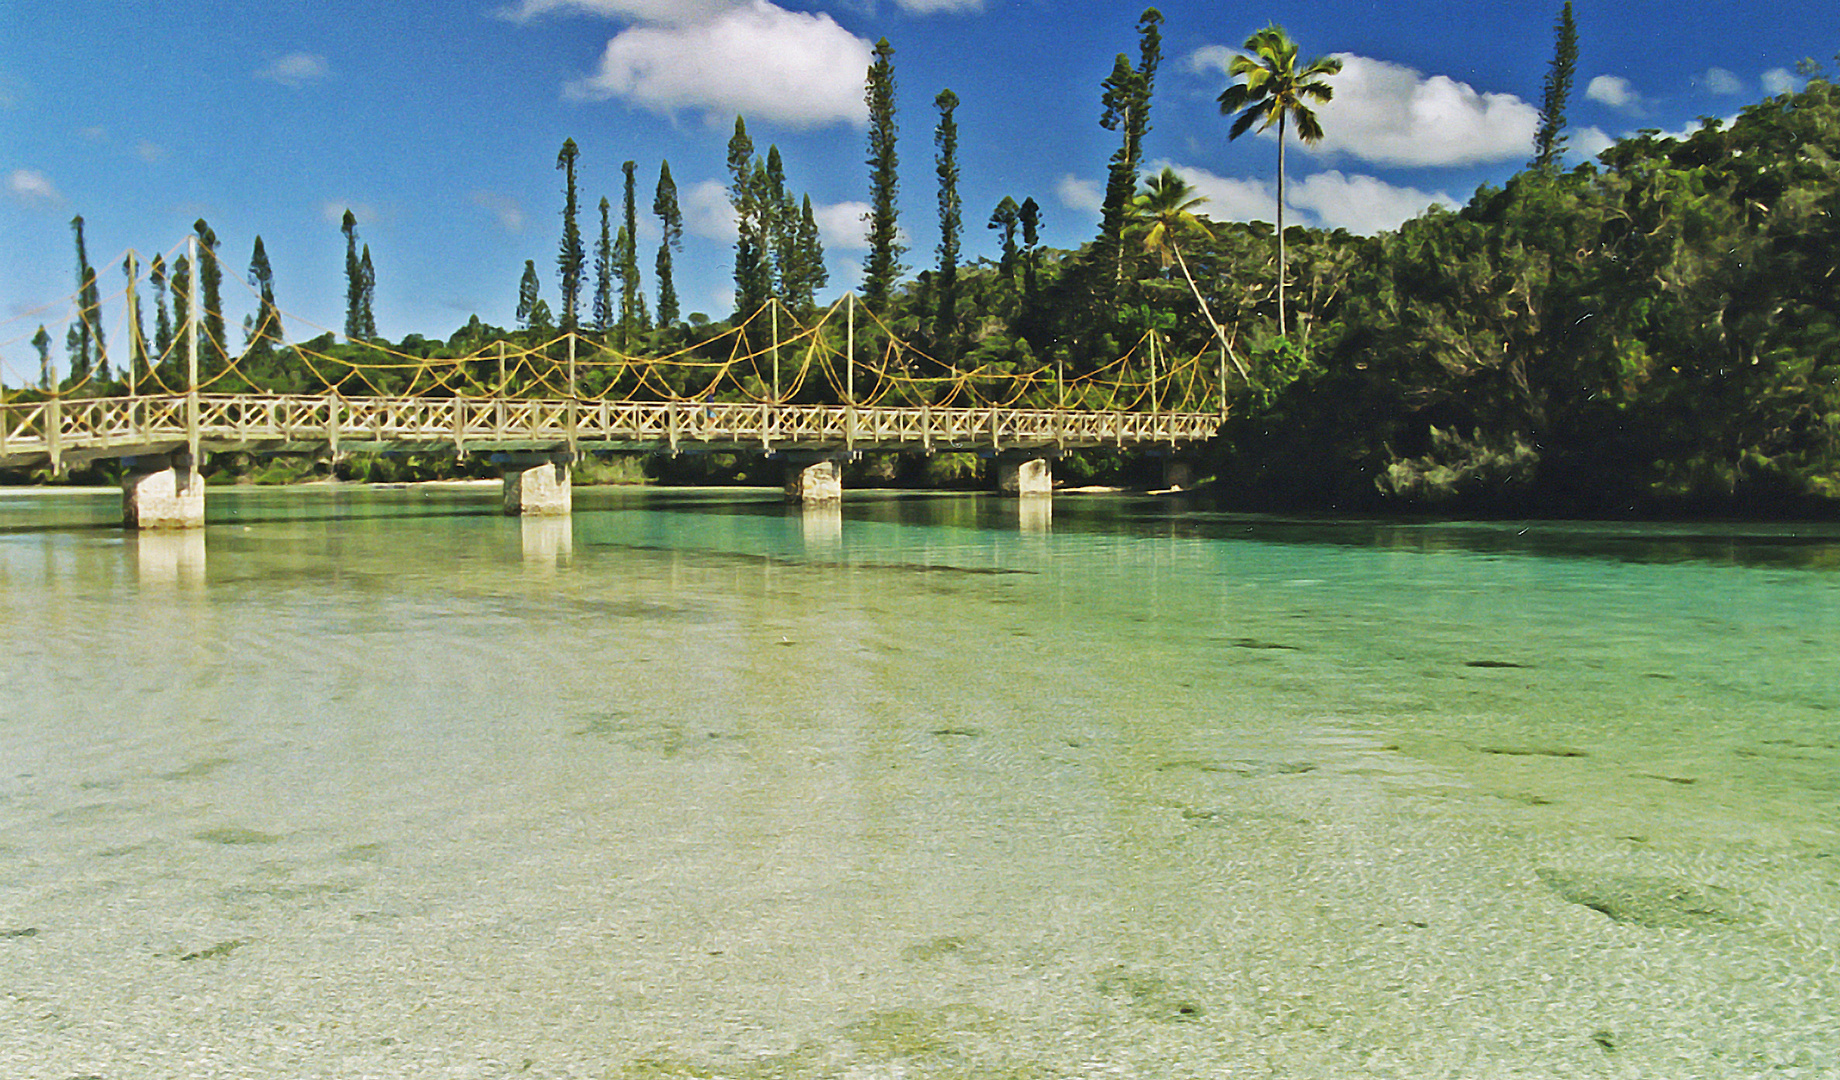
point(814, 481)
point(538, 484)
point(1178, 473)
point(162, 492)
point(1024, 475)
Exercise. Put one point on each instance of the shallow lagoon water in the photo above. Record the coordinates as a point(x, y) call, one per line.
point(380, 783)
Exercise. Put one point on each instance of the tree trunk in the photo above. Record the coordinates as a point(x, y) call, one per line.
point(1219, 334)
point(1282, 268)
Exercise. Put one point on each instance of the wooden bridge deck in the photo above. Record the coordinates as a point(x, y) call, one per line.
point(78, 429)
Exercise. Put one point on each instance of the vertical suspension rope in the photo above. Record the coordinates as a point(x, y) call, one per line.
point(191, 351)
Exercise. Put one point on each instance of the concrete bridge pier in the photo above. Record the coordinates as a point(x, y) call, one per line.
point(538, 483)
point(814, 478)
point(162, 491)
point(1178, 473)
point(1024, 473)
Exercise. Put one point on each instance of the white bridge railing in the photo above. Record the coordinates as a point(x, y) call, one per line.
point(83, 428)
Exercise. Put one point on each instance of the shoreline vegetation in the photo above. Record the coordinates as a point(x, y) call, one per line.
point(1651, 334)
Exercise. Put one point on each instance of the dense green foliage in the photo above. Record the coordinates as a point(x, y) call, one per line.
point(1661, 328)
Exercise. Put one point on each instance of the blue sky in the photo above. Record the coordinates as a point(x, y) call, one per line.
point(438, 124)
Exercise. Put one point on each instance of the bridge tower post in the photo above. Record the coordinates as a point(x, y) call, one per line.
point(166, 491)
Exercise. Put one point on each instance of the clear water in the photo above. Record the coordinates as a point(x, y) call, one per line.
point(379, 783)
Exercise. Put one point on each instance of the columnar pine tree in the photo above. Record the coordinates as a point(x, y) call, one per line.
point(266, 331)
point(212, 349)
point(782, 226)
point(162, 321)
point(528, 287)
point(883, 265)
point(354, 279)
point(88, 353)
point(42, 342)
point(752, 283)
point(75, 349)
point(1126, 101)
point(603, 272)
point(569, 258)
point(1549, 141)
point(951, 222)
point(632, 321)
point(1028, 215)
point(671, 221)
point(808, 273)
point(764, 281)
point(368, 312)
point(1004, 220)
point(181, 277)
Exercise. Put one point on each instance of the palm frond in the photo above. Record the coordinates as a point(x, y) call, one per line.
point(1309, 129)
point(1244, 122)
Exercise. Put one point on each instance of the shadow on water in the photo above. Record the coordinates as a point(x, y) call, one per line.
point(1755, 545)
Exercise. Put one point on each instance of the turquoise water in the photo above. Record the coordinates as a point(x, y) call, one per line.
point(368, 782)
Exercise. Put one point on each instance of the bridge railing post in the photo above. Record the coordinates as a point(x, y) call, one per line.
point(54, 430)
point(191, 353)
point(574, 400)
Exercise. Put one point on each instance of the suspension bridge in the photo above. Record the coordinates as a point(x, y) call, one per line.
point(793, 389)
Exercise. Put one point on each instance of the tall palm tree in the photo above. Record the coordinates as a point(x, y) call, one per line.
point(1275, 92)
point(1161, 215)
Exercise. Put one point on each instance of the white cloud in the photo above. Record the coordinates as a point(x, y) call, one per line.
point(295, 70)
point(1228, 199)
point(97, 134)
point(841, 226)
point(1720, 81)
point(668, 12)
point(760, 61)
point(1214, 57)
point(935, 7)
point(33, 188)
point(1077, 194)
point(1616, 92)
point(1591, 142)
point(1782, 81)
point(151, 152)
point(1330, 200)
point(510, 215)
point(1391, 114)
point(1361, 204)
point(707, 211)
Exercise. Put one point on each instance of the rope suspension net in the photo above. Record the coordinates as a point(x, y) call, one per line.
point(774, 356)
